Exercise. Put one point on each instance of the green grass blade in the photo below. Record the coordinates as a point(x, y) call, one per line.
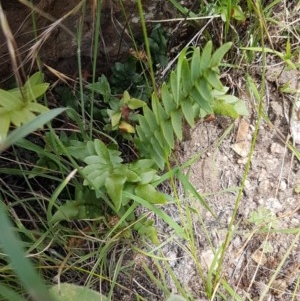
point(179, 230)
point(22, 266)
point(29, 127)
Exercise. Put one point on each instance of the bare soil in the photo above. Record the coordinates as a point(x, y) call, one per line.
point(271, 188)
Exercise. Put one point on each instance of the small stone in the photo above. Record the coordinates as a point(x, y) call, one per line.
point(273, 204)
point(242, 161)
point(283, 185)
point(276, 148)
point(259, 257)
point(207, 258)
point(241, 148)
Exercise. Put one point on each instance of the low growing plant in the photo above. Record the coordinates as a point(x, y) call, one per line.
point(106, 184)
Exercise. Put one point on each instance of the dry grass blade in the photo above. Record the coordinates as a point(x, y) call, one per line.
point(12, 47)
point(33, 52)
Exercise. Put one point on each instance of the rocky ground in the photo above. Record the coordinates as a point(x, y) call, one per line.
point(270, 198)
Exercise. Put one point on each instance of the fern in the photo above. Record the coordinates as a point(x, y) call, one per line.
point(194, 90)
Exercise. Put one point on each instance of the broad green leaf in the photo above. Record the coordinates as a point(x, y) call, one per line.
point(98, 178)
point(135, 103)
point(95, 160)
point(114, 186)
point(213, 79)
point(77, 149)
point(36, 107)
point(220, 107)
point(150, 117)
point(102, 87)
point(142, 164)
point(186, 78)
point(132, 176)
point(219, 54)
point(205, 98)
point(158, 110)
point(34, 92)
point(237, 13)
point(205, 58)
point(181, 59)
point(160, 139)
point(146, 228)
point(35, 79)
point(157, 153)
point(144, 130)
point(187, 110)
point(9, 101)
point(241, 108)
point(126, 127)
point(174, 90)
point(176, 119)
point(66, 212)
point(147, 177)
point(195, 65)
point(72, 292)
point(21, 117)
point(115, 119)
point(167, 130)
point(167, 99)
point(150, 194)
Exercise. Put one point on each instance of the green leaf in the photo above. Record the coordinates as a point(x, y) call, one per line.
point(135, 103)
point(219, 54)
point(67, 212)
point(160, 140)
point(18, 261)
point(220, 107)
point(205, 58)
point(213, 79)
point(173, 85)
point(35, 79)
point(186, 78)
point(146, 228)
point(187, 110)
point(202, 95)
point(161, 214)
point(157, 153)
point(142, 164)
point(102, 87)
point(72, 292)
point(195, 65)
point(237, 13)
point(9, 101)
point(32, 93)
point(150, 194)
point(132, 176)
point(168, 132)
point(115, 119)
point(150, 117)
point(167, 99)
point(114, 186)
point(147, 177)
point(28, 128)
point(4, 127)
point(158, 110)
point(176, 120)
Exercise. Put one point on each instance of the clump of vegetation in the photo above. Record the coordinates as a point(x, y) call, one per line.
point(97, 175)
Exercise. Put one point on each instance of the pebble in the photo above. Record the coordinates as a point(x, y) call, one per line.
point(276, 148)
